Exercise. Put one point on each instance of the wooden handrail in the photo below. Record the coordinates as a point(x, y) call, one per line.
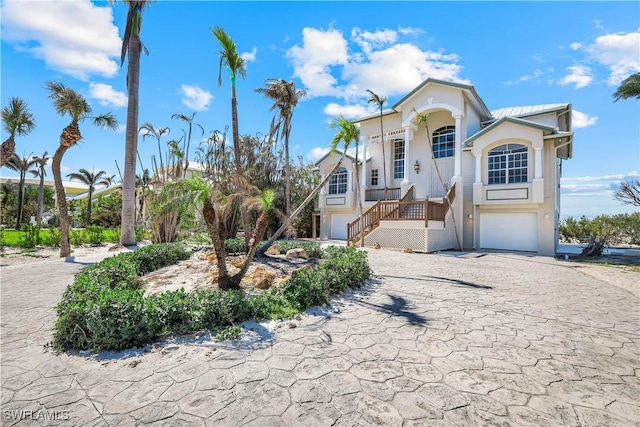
point(404, 209)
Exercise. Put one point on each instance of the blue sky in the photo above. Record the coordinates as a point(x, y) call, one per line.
point(514, 53)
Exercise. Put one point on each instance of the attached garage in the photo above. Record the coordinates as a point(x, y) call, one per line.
point(509, 231)
point(339, 224)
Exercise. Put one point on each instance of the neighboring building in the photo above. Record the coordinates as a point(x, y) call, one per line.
point(501, 170)
point(71, 188)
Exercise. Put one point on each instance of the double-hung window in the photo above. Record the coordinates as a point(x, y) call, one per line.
point(338, 182)
point(398, 159)
point(508, 164)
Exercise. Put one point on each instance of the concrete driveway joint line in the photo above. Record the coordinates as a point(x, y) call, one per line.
point(450, 339)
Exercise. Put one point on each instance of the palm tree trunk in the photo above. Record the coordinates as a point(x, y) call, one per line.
point(61, 198)
point(237, 154)
point(287, 170)
point(258, 233)
point(40, 198)
point(128, 216)
point(217, 231)
point(7, 149)
point(89, 206)
point(299, 209)
point(20, 200)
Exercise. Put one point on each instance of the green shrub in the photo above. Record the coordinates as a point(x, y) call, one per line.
point(76, 236)
point(31, 236)
point(95, 234)
point(141, 233)
point(235, 246)
point(54, 238)
point(105, 307)
point(313, 249)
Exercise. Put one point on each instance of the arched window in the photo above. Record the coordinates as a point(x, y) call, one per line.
point(508, 164)
point(338, 182)
point(444, 140)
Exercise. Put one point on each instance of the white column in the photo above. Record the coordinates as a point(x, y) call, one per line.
point(364, 164)
point(537, 163)
point(479, 169)
point(322, 189)
point(457, 171)
point(407, 138)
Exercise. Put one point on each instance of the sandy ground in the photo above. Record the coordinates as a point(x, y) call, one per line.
point(615, 270)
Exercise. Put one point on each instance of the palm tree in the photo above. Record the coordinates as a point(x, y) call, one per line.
point(109, 180)
point(629, 88)
point(143, 181)
point(215, 209)
point(90, 179)
point(6, 189)
point(157, 134)
point(67, 101)
point(230, 58)
point(347, 137)
point(285, 98)
point(379, 101)
point(17, 120)
point(190, 123)
point(420, 119)
point(131, 44)
point(40, 172)
point(22, 166)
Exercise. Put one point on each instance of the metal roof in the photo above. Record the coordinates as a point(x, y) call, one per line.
point(527, 110)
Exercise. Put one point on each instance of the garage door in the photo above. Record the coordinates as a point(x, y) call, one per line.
point(339, 224)
point(513, 231)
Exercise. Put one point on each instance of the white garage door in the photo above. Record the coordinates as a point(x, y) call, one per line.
point(339, 224)
point(513, 231)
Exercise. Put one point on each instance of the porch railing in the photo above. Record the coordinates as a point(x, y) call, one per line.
point(404, 209)
point(375, 194)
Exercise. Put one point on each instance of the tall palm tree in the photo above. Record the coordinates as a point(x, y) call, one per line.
point(17, 120)
point(379, 101)
point(149, 131)
point(347, 137)
point(285, 98)
point(230, 58)
point(22, 166)
point(132, 45)
point(67, 101)
point(189, 120)
point(143, 181)
point(629, 88)
point(90, 179)
point(109, 180)
point(40, 172)
point(348, 132)
point(423, 118)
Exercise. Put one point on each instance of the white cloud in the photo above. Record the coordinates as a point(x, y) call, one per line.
point(582, 120)
point(317, 153)
point(329, 66)
point(579, 75)
point(77, 38)
point(410, 31)
point(195, 98)
point(320, 50)
point(619, 53)
point(575, 46)
point(348, 111)
point(106, 95)
point(249, 56)
point(614, 177)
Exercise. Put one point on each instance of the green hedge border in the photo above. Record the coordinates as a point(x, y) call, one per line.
point(105, 308)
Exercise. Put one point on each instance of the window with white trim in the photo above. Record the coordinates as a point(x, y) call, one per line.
point(508, 164)
point(374, 177)
point(338, 182)
point(444, 140)
point(398, 159)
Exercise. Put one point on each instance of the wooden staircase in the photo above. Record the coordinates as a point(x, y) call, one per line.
point(404, 209)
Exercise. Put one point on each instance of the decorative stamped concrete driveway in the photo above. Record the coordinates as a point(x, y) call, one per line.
point(436, 340)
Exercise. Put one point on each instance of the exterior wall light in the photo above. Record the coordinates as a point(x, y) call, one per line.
point(416, 167)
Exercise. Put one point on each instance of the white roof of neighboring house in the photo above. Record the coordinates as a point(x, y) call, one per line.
point(527, 110)
point(69, 186)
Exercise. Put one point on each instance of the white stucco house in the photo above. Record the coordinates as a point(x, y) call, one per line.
point(500, 169)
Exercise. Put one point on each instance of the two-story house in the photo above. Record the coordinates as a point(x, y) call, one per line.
point(467, 178)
